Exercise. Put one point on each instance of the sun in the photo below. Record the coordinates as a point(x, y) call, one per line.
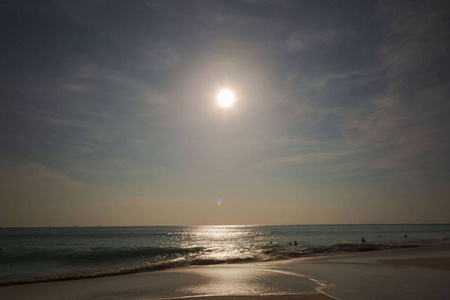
point(225, 98)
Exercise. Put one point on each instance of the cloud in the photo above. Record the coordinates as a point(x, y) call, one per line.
point(158, 103)
point(32, 195)
point(264, 1)
point(403, 129)
point(305, 39)
point(415, 44)
point(311, 158)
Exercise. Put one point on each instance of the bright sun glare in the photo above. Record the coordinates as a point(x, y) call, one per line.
point(225, 98)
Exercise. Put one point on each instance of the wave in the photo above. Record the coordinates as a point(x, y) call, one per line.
point(279, 254)
point(202, 259)
point(98, 254)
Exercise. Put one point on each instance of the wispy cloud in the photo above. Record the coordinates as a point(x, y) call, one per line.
point(310, 158)
point(305, 39)
point(415, 45)
point(405, 126)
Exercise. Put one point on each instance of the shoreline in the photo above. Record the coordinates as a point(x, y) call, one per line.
point(361, 275)
point(305, 296)
point(319, 251)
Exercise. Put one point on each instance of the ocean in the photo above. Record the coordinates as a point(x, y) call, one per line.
point(49, 254)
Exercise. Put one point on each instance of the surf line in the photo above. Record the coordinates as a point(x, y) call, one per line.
point(322, 285)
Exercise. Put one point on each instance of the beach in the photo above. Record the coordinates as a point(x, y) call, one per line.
point(224, 150)
point(413, 273)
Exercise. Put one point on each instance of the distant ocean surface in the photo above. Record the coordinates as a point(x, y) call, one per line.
point(46, 254)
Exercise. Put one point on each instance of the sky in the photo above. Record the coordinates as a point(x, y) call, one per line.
point(108, 112)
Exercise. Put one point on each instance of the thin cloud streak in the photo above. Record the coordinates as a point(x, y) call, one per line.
point(310, 158)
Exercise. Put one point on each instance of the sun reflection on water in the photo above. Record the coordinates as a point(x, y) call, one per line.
point(222, 243)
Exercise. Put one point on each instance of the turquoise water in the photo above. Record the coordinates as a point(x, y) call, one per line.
point(40, 254)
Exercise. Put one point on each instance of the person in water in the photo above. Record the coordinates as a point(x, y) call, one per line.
point(295, 243)
point(363, 240)
point(406, 236)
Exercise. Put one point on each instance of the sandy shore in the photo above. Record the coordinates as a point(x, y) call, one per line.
point(308, 296)
point(414, 273)
point(440, 263)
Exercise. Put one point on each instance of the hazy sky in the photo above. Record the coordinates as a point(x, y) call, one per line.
point(108, 113)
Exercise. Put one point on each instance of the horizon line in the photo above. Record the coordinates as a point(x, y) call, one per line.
point(225, 225)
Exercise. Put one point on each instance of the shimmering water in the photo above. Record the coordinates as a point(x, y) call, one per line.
point(56, 253)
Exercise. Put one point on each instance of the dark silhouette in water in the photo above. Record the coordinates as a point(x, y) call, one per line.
point(363, 240)
point(295, 243)
point(290, 243)
point(406, 236)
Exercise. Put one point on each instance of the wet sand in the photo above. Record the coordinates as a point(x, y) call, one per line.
point(401, 274)
point(309, 296)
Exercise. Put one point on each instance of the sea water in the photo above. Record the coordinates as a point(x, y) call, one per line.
point(46, 254)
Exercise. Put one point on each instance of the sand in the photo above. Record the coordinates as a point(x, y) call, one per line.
point(309, 296)
point(440, 263)
point(414, 273)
